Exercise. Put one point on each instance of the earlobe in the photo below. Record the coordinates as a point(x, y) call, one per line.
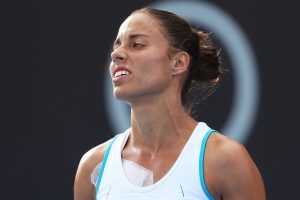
point(180, 63)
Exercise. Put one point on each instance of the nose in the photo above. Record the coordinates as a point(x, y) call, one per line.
point(118, 55)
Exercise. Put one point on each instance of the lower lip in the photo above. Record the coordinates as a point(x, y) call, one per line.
point(118, 80)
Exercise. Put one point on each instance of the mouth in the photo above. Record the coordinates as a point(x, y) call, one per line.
point(120, 73)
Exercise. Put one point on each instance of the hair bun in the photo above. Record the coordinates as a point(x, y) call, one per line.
point(207, 67)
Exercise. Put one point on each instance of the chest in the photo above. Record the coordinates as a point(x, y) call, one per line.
point(179, 179)
point(179, 173)
point(159, 164)
point(165, 189)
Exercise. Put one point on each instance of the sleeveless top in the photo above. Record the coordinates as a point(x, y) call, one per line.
point(184, 180)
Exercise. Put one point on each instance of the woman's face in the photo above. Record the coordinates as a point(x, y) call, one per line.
point(141, 63)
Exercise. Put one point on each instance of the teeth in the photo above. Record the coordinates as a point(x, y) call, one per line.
point(121, 73)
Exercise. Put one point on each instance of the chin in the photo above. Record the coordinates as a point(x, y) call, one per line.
point(120, 94)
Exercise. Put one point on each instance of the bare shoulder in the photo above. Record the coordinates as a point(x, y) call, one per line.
point(83, 188)
point(230, 171)
point(226, 151)
point(94, 155)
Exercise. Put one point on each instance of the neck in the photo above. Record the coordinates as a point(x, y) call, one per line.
point(159, 123)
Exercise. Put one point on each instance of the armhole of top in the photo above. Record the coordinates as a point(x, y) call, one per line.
point(201, 164)
point(101, 170)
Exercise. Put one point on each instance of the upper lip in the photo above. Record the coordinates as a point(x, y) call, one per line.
point(120, 68)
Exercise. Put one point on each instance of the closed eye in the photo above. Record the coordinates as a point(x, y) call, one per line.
point(137, 45)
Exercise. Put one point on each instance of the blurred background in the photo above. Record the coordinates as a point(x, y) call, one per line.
point(56, 96)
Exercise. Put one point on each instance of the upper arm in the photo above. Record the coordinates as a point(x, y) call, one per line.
point(242, 179)
point(83, 187)
point(236, 175)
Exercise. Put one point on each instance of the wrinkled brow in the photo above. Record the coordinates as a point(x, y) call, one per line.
point(132, 36)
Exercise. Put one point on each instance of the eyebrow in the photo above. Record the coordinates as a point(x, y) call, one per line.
point(132, 36)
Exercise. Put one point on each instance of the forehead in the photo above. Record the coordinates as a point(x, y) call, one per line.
point(140, 23)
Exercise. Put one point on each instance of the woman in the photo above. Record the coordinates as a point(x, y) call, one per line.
point(158, 62)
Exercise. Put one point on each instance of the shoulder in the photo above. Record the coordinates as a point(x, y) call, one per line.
point(225, 151)
point(94, 156)
point(83, 188)
point(234, 173)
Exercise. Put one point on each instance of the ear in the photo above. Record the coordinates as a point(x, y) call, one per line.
point(181, 62)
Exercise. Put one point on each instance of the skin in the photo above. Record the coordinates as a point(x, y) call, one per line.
point(157, 138)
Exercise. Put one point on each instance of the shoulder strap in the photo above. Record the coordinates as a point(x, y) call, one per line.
point(201, 164)
point(104, 163)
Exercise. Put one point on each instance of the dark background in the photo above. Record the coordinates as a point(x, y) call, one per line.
point(53, 56)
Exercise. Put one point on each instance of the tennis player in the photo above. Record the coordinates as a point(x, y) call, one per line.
point(163, 67)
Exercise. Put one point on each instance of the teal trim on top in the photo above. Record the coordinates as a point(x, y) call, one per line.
point(104, 163)
point(201, 164)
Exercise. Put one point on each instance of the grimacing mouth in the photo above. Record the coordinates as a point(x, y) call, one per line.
point(121, 73)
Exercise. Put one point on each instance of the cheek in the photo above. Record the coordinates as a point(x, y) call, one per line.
point(154, 79)
point(160, 70)
point(156, 67)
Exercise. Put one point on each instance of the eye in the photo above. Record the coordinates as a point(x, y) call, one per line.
point(137, 45)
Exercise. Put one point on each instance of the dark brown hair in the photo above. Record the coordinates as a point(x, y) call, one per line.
point(204, 73)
